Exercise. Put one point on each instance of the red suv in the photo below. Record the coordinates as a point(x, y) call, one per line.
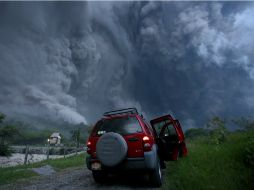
point(124, 140)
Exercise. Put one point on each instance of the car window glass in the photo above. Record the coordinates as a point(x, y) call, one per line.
point(166, 132)
point(169, 133)
point(170, 130)
point(158, 126)
point(149, 128)
point(122, 125)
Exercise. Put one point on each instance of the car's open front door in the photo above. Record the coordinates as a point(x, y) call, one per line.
point(167, 138)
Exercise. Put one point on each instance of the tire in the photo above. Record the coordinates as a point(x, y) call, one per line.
point(111, 149)
point(156, 176)
point(100, 176)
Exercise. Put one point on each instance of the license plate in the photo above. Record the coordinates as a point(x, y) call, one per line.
point(96, 166)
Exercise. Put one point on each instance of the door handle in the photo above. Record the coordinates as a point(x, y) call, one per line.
point(133, 139)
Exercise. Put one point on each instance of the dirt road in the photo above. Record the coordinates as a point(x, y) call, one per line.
point(79, 179)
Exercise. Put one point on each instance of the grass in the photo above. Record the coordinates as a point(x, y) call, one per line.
point(210, 166)
point(11, 174)
point(63, 163)
point(207, 166)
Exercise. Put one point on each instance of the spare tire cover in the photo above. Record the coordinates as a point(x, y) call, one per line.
point(111, 149)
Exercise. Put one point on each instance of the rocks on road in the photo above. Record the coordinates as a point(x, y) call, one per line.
point(79, 179)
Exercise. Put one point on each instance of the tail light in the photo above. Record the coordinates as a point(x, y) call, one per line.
point(147, 145)
point(88, 147)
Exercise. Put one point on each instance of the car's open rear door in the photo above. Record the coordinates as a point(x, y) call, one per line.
point(168, 137)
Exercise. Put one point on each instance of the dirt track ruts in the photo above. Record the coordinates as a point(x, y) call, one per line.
point(79, 179)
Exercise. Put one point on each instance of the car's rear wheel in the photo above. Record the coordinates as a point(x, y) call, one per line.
point(99, 176)
point(156, 176)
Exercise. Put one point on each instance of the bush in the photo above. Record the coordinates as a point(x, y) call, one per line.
point(194, 133)
point(32, 137)
point(249, 153)
point(244, 123)
point(217, 136)
point(5, 150)
point(52, 151)
point(217, 130)
point(62, 151)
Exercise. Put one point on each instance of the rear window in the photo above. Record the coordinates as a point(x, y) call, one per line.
point(123, 126)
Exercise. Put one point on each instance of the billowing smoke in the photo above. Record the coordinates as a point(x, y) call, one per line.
point(71, 61)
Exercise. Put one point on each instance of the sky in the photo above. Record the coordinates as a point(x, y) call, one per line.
point(72, 61)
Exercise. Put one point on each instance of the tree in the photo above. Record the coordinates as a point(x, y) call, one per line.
point(217, 129)
point(195, 132)
point(2, 117)
point(75, 135)
point(6, 133)
point(244, 123)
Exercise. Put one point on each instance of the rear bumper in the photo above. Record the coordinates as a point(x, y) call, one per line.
point(127, 164)
point(148, 162)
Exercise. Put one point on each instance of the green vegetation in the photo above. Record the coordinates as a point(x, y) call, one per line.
point(214, 166)
point(7, 132)
point(216, 130)
point(75, 136)
point(244, 123)
point(5, 150)
point(11, 174)
point(60, 164)
point(194, 133)
point(249, 152)
point(32, 137)
point(217, 158)
point(28, 133)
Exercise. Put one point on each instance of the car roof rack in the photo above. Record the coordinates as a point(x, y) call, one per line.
point(121, 111)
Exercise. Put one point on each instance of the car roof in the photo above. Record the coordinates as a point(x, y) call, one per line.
point(119, 116)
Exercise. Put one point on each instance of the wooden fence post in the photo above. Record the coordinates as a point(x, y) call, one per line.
point(48, 153)
point(26, 154)
point(64, 152)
